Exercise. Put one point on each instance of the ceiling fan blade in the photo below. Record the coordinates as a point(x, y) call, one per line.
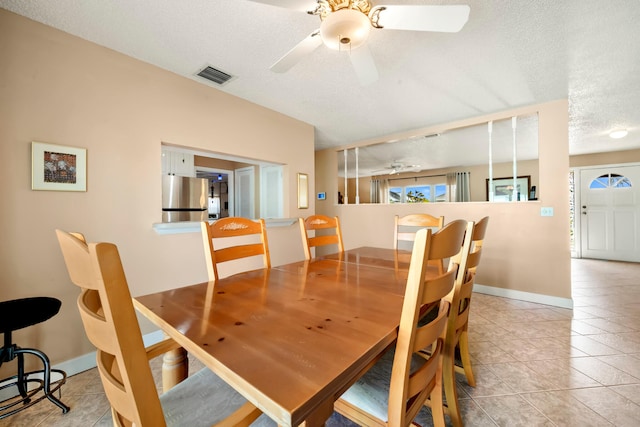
point(299, 51)
point(448, 19)
point(364, 65)
point(301, 5)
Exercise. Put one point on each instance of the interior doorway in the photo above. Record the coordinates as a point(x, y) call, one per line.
point(220, 200)
point(609, 212)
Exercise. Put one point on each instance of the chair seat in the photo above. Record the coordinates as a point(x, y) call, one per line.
point(20, 313)
point(182, 404)
point(371, 392)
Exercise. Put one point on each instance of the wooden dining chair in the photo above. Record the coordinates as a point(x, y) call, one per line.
point(318, 224)
point(405, 228)
point(392, 392)
point(457, 337)
point(234, 238)
point(110, 322)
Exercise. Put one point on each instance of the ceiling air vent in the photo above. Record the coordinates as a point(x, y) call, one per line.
point(215, 75)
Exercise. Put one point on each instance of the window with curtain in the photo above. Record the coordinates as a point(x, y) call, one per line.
point(459, 188)
point(419, 190)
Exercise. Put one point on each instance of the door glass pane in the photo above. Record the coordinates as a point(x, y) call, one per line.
point(610, 181)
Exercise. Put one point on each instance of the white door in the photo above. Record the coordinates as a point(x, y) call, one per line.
point(271, 191)
point(245, 192)
point(609, 213)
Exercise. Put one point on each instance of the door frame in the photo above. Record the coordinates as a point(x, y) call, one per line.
point(576, 252)
point(230, 187)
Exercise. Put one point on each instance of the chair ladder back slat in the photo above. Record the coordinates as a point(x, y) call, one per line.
point(445, 246)
point(405, 237)
point(241, 251)
point(226, 231)
point(429, 333)
point(473, 259)
point(405, 227)
point(114, 389)
point(425, 373)
point(98, 330)
point(76, 256)
point(233, 227)
point(434, 288)
point(479, 232)
point(462, 304)
point(324, 224)
point(323, 240)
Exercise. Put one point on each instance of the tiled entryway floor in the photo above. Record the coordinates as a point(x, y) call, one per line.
point(535, 365)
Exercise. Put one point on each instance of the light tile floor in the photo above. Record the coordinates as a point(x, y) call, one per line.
point(535, 365)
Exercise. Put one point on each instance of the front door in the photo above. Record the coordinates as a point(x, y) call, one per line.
point(610, 213)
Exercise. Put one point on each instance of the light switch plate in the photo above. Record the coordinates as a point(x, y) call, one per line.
point(546, 211)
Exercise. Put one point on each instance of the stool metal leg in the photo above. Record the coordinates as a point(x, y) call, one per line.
point(21, 380)
point(47, 377)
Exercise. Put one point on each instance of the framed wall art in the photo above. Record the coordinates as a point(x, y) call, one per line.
point(503, 189)
point(58, 167)
point(303, 191)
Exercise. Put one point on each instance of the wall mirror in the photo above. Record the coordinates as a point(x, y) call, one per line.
point(450, 166)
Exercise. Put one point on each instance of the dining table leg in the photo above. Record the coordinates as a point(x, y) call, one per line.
point(320, 416)
point(175, 368)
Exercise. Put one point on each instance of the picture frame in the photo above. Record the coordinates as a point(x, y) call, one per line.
point(58, 167)
point(503, 188)
point(303, 191)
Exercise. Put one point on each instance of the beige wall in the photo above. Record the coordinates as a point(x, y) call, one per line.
point(524, 252)
point(610, 158)
point(59, 89)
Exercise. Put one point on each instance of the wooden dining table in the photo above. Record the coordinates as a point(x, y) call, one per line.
point(290, 339)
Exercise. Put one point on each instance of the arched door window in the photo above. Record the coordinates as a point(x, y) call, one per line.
point(610, 180)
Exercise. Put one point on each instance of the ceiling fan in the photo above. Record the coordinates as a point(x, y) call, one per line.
point(346, 24)
point(398, 167)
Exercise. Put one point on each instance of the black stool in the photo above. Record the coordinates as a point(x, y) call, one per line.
point(18, 314)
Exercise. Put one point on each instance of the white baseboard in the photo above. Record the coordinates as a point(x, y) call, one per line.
point(88, 361)
point(78, 364)
point(524, 296)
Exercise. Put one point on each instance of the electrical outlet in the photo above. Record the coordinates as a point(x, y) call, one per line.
point(546, 211)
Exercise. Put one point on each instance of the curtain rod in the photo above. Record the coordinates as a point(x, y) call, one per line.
point(416, 177)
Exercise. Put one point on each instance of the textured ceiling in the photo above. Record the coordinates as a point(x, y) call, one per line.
point(510, 53)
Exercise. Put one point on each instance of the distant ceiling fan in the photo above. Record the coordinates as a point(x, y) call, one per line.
point(345, 25)
point(398, 167)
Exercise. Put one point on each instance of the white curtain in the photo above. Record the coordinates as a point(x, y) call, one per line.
point(384, 191)
point(374, 191)
point(458, 183)
point(379, 191)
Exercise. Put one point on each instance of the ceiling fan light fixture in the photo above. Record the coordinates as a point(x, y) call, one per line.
point(620, 133)
point(345, 28)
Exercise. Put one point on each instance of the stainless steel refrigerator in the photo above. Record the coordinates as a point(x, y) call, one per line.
point(184, 199)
